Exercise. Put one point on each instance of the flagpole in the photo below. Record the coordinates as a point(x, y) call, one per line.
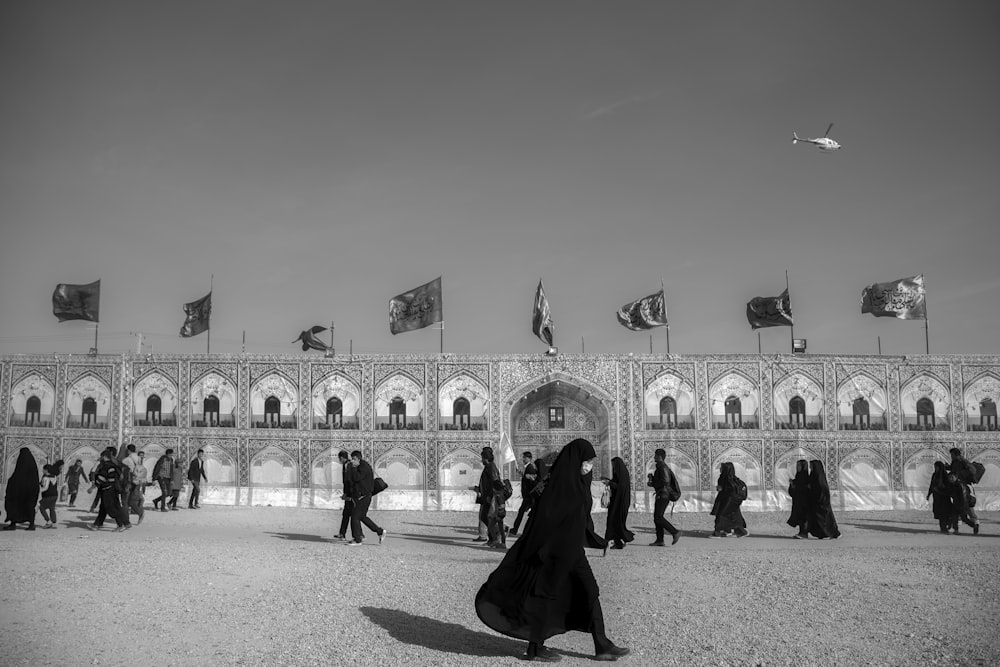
point(668, 338)
point(243, 350)
point(666, 327)
point(583, 346)
point(211, 286)
point(927, 335)
point(331, 336)
point(97, 327)
point(442, 336)
point(791, 328)
point(651, 343)
point(758, 343)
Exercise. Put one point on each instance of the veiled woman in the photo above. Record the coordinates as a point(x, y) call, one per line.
point(942, 503)
point(544, 586)
point(798, 489)
point(726, 508)
point(620, 486)
point(22, 491)
point(822, 523)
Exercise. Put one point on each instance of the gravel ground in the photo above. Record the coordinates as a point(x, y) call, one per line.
point(270, 586)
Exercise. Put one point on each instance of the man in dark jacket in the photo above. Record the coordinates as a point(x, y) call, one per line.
point(196, 474)
point(489, 484)
point(965, 475)
point(662, 482)
point(107, 478)
point(162, 475)
point(345, 519)
point(362, 486)
point(529, 478)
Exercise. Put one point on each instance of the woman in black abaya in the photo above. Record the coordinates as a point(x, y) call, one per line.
point(942, 505)
point(544, 586)
point(726, 508)
point(22, 491)
point(798, 489)
point(822, 523)
point(620, 485)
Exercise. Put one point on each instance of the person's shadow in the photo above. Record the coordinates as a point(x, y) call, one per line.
point(437, 635)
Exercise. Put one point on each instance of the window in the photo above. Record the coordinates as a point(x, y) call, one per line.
point(734, 411)
point(210, 406)
point(33, 411)
point(153, 411)
point(988, 413)
point(797, 412)
point(272, 411)
point(925, 412)
point(335, 411)
point(668, 412)
point(861, 416)
point(397, 413)
point(89, 412)
point(557, 417)
point(461, 413)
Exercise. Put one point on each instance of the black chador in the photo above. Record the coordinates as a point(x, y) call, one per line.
point(798, 489)
point(21, 496)
point(620, 486)
point(544, 586)
point(822, 523)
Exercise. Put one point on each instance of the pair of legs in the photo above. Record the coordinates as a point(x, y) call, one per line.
point(488, 517)
point(47, 506)
point(110, 506)
point(175, 494)
point(165, 493)
point(359, 515)
point(195, 494)
point(136, 501)
point(73, 490)
point(345, 517)
point(527, 502)
point(660, 521)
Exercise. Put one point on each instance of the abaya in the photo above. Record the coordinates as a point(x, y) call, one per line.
point(726, 508)
point(544, 585)
point(22, 490)
point(798, 489)
point(822, 523)
point(942, 504)
point(621, 499)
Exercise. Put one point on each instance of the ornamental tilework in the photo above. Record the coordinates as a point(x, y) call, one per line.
point(480, 372)
point(19, 371)
point(414, 371)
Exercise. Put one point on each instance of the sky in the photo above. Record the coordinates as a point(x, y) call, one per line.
point(307, 161)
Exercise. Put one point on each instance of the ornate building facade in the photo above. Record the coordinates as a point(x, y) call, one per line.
point(271, 426)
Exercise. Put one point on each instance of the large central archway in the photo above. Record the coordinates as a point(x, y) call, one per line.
point(550, 412)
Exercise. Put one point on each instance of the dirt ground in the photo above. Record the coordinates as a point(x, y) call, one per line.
point(271, 586)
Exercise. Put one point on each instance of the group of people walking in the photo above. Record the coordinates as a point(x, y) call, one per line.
point(951, 494)
point(811, 513)
point(359, 489)
point(119, 486)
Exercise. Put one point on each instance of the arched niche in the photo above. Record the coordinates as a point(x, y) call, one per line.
point(676, 388)
point(220, 467)
point(276, 387)
point(213, 386)
point(928, 391)
point(400, 469)
point(154, 384)
point(28, 387)
point(399, 404)
point(458, 388)
point(919, 467)
point(88, 402)
point(340, 387)
point(864, 387)
point(727, 388)
point(685, 469)
point(748, 468)
point(865, 480)
point(798, 386)
point(784, 466)
point(326, 471)
point(273, 468)
point(983, 392)
point(460, 469)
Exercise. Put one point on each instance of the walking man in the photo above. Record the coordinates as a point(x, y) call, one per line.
point(128, 464)
point(196, 474)
point(489, 480)
point(965, 475)
point(529, 478)
point(662, 481)
point(346, 496)
point(73, 475)
point(362, 486)
point(140, 478)
point(161, 475)
point(107, 479)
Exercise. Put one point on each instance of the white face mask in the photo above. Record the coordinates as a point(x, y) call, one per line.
point(587, 467)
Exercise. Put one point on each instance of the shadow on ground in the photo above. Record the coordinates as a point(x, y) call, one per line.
point(437, 635)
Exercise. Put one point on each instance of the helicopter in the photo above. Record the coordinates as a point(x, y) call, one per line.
point(824, 142)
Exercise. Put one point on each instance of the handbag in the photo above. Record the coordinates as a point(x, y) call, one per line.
point(606, 498)
point(379, 486)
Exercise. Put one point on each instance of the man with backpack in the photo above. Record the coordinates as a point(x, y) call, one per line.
point(489, 493)
point(966, 474)
point(667, 490)
point(107, 477)
point(162, 475)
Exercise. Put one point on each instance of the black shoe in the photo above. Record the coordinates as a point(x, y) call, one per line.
point(543, 655)
point(512, 532)
point(677, 536)
point(612, 653)
point(658, 543)
point(975, 529)
point(479, 539)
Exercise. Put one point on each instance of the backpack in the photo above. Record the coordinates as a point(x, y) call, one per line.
point(740, 492)
point(978, 470)
point(508, 490)
point(674, 492)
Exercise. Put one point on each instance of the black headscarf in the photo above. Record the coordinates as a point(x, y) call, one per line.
point(22, 489)
point(621, 499)
point(727, 476)
point(531, 590)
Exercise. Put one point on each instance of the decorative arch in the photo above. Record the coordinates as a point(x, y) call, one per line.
point(402, 387)
point(981, 397)
point(748, 468)
point(460, 469)
point(28, 387)
point(336, 385)
point(865, 480)
point(277, 388)
point(458, 388)
point(154, 384)
point(734, 385)
point(93, 393)
point(400, 469)
point(222, 388)
point(916, 395)
point(684, 467)
point(273, 468)
point(863, 386)
point(802, 387)
point(784, 465)
point(673, 386)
